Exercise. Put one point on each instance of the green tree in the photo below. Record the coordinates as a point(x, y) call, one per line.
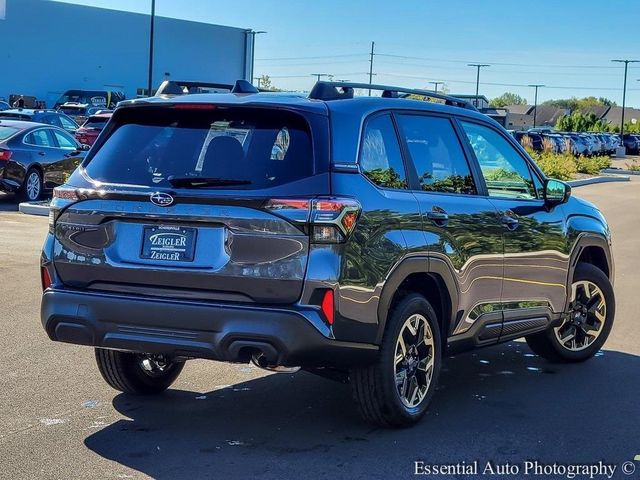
point(507, 98)
point(574, 103)
point(264, 83)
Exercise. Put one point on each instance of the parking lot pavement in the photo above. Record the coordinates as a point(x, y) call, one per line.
point(502, 404)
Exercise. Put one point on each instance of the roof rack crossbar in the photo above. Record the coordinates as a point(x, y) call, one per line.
point(340, 90)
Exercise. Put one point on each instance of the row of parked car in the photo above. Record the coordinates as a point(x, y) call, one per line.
point(587, 143)
point(39, 148)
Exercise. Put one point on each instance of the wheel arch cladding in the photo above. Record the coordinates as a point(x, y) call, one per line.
point(414, 275)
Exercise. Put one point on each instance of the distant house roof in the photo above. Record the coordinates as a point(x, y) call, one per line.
point(547, 115)
point(614, 115)
point(599, 111)
point(520, 109)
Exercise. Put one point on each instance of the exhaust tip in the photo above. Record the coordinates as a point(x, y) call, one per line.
point(259, 359)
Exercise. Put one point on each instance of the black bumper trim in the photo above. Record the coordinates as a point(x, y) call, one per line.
point(287, 336)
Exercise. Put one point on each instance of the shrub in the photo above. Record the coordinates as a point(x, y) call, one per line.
point(560, 166)
point(592, 165)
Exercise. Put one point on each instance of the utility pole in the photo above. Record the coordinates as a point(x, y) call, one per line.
point(436, 85)
point(478, 66)
point(624, 93)
point(318, 75)
point(373, 46)
point(535, 102)
point(151, 32)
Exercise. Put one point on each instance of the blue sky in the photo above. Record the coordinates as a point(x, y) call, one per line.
point(566, 45)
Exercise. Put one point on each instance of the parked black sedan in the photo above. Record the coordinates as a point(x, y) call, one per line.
point(35, 157)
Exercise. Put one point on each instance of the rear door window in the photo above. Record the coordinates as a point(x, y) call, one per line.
point(253, 147)
point(437, 155)
point(41, 138)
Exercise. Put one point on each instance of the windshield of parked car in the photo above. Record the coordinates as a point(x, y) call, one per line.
point(254, 148)
point(6, 132)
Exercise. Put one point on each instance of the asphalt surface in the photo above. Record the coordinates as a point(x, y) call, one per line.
point(58, 419)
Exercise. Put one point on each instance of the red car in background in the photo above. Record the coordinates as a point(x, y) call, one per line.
point(90, 129)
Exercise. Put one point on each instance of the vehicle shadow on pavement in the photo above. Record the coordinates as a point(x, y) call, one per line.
point(8, 203)
point(501, 404)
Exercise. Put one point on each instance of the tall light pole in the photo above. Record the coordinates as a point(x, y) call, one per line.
point(478, 66)
point(253, 48)
point(151, 32)
point(624, 91)
point(535, 101)
point(436, 85)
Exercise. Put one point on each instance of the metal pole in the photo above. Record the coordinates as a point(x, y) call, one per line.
point(535, 102)
point(478, 66)
point(624, 92)
point(151, 32)
point(436, 85)
point(373, 44)
point(624, 98)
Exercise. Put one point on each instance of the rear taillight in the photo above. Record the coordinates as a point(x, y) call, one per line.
point(331, 220)
point(62, 196)
point(5, 155)
point(45, 277)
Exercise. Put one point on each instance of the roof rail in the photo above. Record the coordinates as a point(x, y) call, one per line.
point(344, 90)
point(178, 87)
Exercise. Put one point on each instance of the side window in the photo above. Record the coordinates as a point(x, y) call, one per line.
point(67, 124)
point(40, 138)
point(505, 171)
point(437, 154)
point(65, 141)
point(380, 157)
point(52, 120)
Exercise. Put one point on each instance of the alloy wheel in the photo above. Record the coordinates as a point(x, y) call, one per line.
point(154, 365)
point(33, 186)
point(585, 319)
point(414, 360)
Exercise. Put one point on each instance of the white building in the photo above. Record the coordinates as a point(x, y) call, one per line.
point(48, 47)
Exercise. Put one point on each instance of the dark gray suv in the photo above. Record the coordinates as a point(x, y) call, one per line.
point(360, 238)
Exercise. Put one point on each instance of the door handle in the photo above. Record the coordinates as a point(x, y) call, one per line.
point(438, 216)
point(510, 220)
point(42, 154)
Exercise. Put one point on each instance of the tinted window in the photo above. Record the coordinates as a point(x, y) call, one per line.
point(96, 123)
point(380, 157)
point(239, 144)
point(65, 141)
point(40, 138)
point(437, 154)
point(505, 171)
point(67, 124)
point(6, 132)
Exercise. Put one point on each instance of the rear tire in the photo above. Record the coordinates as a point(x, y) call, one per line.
point(138, 374)
point(585, 328)
point(397, 389)
point(31, 189)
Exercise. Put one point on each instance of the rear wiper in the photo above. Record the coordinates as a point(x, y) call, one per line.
point(198, 182)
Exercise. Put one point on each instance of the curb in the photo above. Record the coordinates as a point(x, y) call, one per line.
point(600, 179)
point(620, 171)
point(34, 209)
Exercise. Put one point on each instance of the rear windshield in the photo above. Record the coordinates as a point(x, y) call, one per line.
point(260, 148)
point(6, 132)
point(96, 123)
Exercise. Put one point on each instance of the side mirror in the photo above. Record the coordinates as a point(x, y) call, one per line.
point(556, 192)
point(84, 147)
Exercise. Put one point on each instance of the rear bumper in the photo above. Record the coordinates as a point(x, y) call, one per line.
point(286, 336)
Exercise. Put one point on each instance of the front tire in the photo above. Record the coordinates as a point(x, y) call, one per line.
point(587, 323)
point(397, 389)
point(31, 190)
point(138, 374)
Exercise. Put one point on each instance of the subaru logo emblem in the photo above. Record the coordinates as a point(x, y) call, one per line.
point(161, 199)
